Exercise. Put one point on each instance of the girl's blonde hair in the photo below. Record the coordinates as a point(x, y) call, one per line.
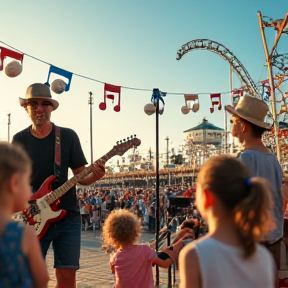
point(121, 227)
point(13, 159)
point(247, 198)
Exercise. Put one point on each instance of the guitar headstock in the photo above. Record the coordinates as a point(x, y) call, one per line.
point(125, 144)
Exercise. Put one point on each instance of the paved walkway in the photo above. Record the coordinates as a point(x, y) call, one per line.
point(94, 263)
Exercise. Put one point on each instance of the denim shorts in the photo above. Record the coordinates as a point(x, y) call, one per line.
point(65, 236)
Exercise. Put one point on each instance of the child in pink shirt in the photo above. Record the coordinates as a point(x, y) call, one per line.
point(131, 264)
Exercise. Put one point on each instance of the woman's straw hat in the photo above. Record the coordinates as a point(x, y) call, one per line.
point(38, 91)
point(251, 109)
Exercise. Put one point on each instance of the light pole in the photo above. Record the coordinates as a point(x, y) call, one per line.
point(150, 109)
point(167, 151)
point(90, 102)
point(9, 123)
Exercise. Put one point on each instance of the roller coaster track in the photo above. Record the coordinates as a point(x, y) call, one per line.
point(280, 61)
point(225, 53)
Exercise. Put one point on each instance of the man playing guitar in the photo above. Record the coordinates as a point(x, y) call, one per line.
point(40, 141)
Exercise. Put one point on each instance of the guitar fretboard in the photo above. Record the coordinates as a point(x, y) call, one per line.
point(60, 191)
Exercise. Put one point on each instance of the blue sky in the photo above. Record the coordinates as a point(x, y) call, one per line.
point(132, 44)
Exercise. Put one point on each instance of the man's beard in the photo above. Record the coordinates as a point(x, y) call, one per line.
point(39, 121)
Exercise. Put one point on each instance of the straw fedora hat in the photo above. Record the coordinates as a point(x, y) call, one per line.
point(38, 91)
point(251, 109)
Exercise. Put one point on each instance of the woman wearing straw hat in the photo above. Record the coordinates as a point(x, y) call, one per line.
point(248, 126)
point(39, 140)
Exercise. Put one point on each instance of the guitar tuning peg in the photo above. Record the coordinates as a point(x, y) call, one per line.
point(134, 135)
point(117, 142)
point(131, 136)
point(128, 138)
point(124, 140)
point(120, 141)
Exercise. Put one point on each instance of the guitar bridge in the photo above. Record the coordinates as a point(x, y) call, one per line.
point(29, 215)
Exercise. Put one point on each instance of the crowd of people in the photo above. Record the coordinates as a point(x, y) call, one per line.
point(233, 218)
point(96, 203)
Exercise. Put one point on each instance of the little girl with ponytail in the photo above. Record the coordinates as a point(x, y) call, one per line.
point(236, 208)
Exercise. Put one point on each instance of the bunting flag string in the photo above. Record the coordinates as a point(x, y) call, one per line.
point(111, 92)
point(102, 82)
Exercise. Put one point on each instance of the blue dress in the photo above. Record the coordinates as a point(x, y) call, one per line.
point(14, 269)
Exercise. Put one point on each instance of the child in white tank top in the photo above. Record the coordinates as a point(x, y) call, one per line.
point(236, 208)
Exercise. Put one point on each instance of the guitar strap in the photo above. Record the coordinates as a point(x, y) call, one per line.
point(57, 161)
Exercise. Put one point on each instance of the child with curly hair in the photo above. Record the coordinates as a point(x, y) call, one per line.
point(131, 263)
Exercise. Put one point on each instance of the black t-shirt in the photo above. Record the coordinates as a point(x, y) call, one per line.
point(42, 153)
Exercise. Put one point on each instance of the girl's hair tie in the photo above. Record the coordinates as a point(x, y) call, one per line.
point(248, 182)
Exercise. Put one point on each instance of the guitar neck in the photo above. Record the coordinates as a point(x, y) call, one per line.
point(60, 191)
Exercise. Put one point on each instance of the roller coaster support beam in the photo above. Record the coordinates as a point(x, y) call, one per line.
point(270, 74)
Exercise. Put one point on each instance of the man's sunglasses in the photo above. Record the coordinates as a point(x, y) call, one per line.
point(35, 103)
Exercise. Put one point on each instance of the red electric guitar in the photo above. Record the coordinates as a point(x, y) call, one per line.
point(43, 208)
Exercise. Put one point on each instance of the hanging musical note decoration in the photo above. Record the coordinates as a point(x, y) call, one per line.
point(215, 100)
point(191, 103)
point(14, 68)
point(108, 90)
point(59, 86)
point(235, 96)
